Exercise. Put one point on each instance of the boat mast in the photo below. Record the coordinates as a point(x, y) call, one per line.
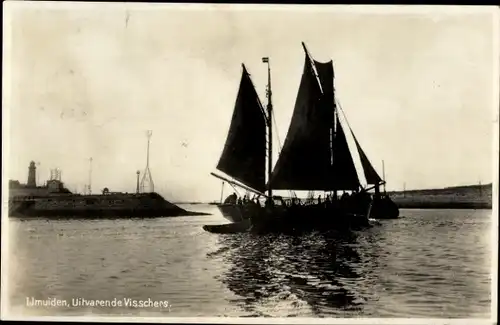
point(333, 134)
point(269, 127)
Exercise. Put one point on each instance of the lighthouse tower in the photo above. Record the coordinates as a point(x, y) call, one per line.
point(32, 175)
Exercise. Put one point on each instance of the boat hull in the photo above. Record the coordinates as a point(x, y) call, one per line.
point(230, 228)
point(282, 219)
point(238, 212)
point(232, 212)
point(307, 219)
point(384, 208)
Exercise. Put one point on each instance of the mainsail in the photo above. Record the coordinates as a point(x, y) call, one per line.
point(344, 172)
point(305, 159)
point(244, 155)
point(311, 159)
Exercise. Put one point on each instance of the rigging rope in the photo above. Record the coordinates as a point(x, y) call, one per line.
point(343, 114)
point(277, 131)
point(234, 188)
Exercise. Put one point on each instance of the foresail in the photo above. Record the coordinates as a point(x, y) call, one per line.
point(305, 159)
point(370, 174)
point(346, 176)
point(244, 153)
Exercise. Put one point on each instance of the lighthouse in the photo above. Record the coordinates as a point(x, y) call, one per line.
point(31, 175)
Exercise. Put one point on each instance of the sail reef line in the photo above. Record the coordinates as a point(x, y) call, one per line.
point(244, 154)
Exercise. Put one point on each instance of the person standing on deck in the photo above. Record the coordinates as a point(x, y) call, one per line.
point(344, 201)
point(269, 203)
point(231, 199)
point(327, 201)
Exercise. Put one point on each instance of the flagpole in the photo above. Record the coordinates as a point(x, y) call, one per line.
point(270, 127)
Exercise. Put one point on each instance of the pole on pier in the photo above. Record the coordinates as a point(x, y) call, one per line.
point(222, 192)
point(90, 175)
point(137, 186)
point(383, 174)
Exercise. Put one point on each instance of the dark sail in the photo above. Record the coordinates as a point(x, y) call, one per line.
point(305, 160)
point(343, 175)
point(244, 154)
point(326, 76)
point(370, 174)
point(346, 176)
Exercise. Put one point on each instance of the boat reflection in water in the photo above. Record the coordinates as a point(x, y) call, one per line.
point(317, 275)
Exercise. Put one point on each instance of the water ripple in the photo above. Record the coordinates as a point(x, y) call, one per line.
point(430, 263)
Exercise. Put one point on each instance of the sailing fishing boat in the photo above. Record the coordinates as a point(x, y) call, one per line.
point(315, 157)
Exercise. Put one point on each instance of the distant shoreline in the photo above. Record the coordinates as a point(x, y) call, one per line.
point(465, 189)
point(444, 205)
point(456, 197)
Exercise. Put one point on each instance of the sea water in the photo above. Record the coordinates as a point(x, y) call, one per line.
point(428, 263)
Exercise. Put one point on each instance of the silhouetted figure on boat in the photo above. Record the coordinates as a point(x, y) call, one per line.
point(328, 202)
point(256, 202)
point(231, 199)
point(345, 201)
point(269, 203)
point(319, 199)
point(251, 201)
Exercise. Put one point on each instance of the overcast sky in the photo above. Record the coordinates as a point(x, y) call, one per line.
point(418, 88)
